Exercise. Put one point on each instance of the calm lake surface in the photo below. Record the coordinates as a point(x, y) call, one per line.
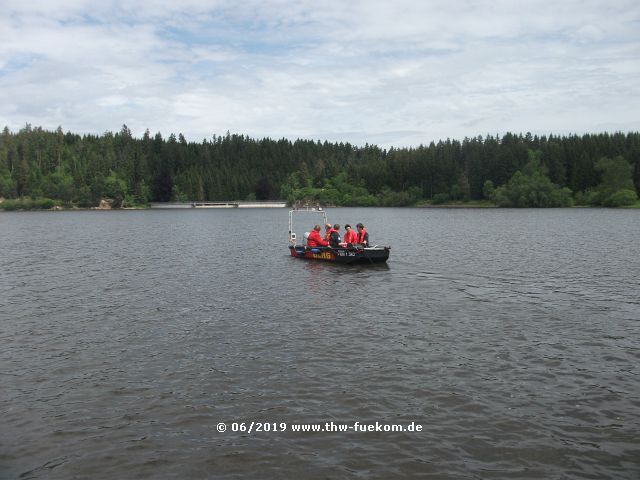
point(511, 336)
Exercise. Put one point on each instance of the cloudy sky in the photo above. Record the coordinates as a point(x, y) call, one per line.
point(392, 73)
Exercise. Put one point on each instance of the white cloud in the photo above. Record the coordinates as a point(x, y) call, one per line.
point(394, 73)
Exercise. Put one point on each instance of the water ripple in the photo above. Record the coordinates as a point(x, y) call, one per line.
point(510, 336)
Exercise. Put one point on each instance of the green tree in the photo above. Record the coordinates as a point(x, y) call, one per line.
point(532, 188)
point(616, 187)
point(20, 174)
point(616, 174)
point(59, 185)
point(36, 162)
point(488, 189)
point(621, 198)
point(116, 189)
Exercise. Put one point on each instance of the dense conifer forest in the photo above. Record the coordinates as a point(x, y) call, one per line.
point(40, 169)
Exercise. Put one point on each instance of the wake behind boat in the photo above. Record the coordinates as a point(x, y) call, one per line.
point(348, 254)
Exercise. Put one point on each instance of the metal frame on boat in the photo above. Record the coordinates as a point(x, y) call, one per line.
point(349, 254)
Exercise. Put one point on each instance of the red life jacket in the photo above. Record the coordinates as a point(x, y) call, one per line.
point(350, 236)
point(315, 240)
point(362, 236)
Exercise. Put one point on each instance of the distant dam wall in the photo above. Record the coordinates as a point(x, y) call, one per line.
point(219, 204)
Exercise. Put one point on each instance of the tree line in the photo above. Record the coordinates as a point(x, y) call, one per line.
point(42, 168)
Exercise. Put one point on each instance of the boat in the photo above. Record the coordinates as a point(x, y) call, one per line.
point(346, 254)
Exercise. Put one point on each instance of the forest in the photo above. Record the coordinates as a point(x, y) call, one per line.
point(44, 169)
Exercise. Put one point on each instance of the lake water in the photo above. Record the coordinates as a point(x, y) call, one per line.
point(512, 337)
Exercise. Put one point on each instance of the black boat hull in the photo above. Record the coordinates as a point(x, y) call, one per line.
point(353, 255)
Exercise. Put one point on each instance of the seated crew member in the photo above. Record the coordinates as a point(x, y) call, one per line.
point(363, 236)
point(327, 231)
point(315, 240)
point(334, 237)
point(349, 235)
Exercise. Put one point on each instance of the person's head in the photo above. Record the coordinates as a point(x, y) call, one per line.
point(327, 226)
point(359, 226)
point(317, 228)
point(336, 227)
point(347, 227)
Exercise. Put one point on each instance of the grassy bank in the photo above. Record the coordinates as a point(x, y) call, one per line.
point(457, 204)
point(30, 204)
point(27, 203)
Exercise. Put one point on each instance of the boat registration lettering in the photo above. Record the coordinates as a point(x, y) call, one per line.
point(346, 253)
point(323, 256)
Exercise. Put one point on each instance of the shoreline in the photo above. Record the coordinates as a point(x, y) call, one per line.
point(443, 206)
point(105, 205)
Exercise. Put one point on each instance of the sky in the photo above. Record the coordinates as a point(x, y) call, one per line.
point(392, 73)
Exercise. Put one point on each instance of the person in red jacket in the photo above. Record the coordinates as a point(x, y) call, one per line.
point(349, 235)
point(363, 236)
point(327, 231)
point(315, 240)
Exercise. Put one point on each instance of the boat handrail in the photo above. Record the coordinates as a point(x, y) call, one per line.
point(305, 209)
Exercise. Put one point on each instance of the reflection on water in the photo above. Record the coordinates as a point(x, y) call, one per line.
point(511, 336)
